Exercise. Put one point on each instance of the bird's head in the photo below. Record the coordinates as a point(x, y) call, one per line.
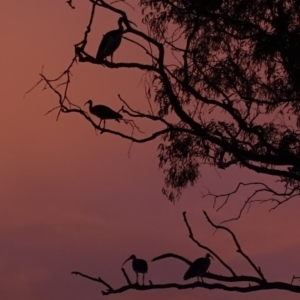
point(209, 256)
point(133, 257)
point(90, 102)
point(125, 21)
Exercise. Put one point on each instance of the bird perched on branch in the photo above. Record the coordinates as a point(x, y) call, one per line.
point(198, 268)
point(138, 266)
point(103, 112)
point(111, 41)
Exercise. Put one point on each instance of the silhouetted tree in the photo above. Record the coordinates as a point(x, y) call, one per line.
point(230, 96)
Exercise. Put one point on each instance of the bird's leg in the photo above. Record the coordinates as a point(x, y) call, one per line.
point(137, 278)
point(103, 123)
point(143, 278)
point(111, 58)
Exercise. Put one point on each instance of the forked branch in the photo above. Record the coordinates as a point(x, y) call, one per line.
point(262, 194)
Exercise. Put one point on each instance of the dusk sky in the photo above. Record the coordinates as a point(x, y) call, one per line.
point(74, 200)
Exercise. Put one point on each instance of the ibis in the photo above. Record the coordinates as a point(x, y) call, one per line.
point(103, 112)
point(138, 266)
point(198, 268)
point(111, 41)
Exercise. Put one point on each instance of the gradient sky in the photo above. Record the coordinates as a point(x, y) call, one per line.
point(72, 200)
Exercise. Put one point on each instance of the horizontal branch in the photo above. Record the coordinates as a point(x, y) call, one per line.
point(242, 278)
point(151, 137)
point(84, 57)
point(262, 286)
point(209, 286)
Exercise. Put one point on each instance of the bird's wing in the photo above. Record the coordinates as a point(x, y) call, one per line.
point(140, 266)
point(103, 45)
point(195, 269)
point(108, 44)
point(145, 266)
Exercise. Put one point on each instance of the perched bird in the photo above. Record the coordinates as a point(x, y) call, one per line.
point(138, 266)
point(198, 267)
point(111, 41)
point(103, 112)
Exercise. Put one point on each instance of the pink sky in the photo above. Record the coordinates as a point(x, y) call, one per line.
point(72, 200)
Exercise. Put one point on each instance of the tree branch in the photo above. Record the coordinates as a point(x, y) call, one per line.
point(211, 286)
point(191, 236)
point(245, 284)
point(239, 249)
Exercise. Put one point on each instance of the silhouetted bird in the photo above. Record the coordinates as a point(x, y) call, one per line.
point(103, 112)
point(111, 41)
point(198, 267)
point(138, 266)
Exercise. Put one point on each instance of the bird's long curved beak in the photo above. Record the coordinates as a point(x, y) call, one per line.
point(126, 261)
point(86, 102)
point(132, 23)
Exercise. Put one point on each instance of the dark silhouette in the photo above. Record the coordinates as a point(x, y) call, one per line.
point(198, 268)
point(138, 266)
point(111, 42)
point(230, 280)
point(103, 112)
point(230, 98)
point(70, 3)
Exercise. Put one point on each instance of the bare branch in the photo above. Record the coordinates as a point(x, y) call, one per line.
point(81, 45)
point(70, 3)
point(239, 249)
point(93, 279)
point(204, 247)
point(172, 255)
point(270, 194)
point(294, 277)
point(211, 286)
point(126, 276)
point(242, 284)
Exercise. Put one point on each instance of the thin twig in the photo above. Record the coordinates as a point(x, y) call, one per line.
point(239, 249)
point(126, 276)
point(93, 279)
point(204, 247)
point(172, 255)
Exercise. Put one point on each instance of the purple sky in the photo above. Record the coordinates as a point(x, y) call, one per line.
point(72, 200)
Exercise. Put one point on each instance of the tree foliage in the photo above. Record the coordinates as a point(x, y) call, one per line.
point(237, 73)
point(224, 76)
